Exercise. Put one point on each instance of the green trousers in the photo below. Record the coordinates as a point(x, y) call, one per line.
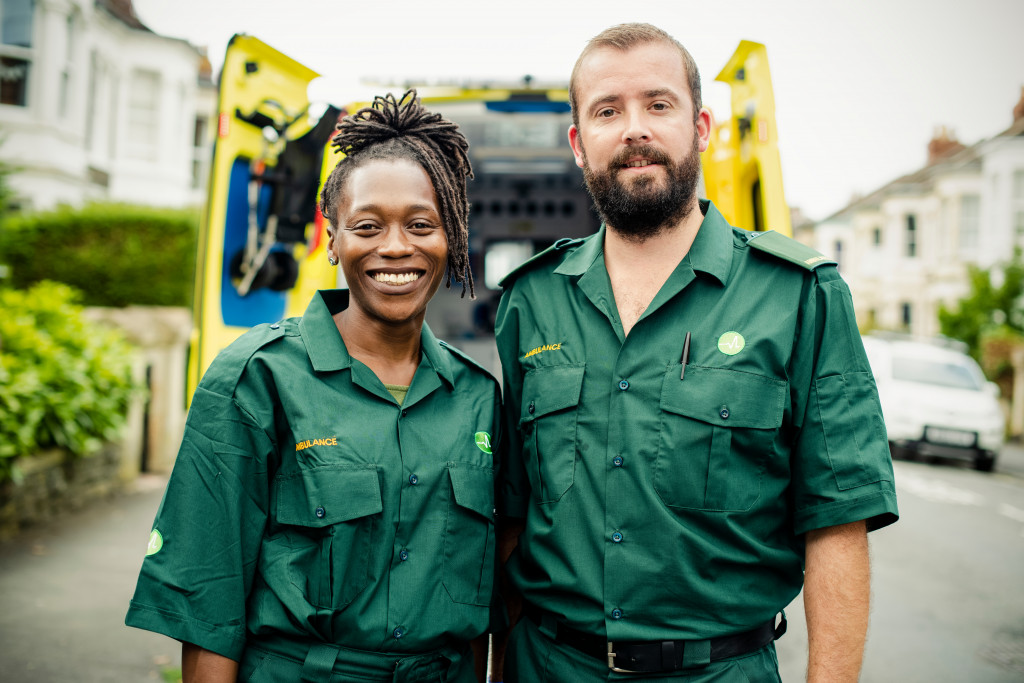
point(533, 657)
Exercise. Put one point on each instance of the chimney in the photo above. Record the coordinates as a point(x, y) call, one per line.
point(943, 144)
point(1018, 109)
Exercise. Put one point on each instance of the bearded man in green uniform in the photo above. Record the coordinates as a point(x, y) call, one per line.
point(692, 418)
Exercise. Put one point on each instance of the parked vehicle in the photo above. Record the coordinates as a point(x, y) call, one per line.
point(936, 401)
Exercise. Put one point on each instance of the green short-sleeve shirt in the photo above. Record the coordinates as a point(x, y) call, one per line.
point(658, 507)
point(306, 503)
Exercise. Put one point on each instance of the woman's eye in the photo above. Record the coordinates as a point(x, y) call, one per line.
point(420, 226)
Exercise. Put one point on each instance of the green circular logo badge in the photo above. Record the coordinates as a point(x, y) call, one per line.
point(483, 442)
point(156, 541)
point(731, 343)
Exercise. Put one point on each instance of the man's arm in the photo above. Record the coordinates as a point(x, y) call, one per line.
point(508, 539)
point(837, 587)
point(202, 666)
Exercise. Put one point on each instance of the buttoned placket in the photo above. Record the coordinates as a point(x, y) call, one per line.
point(618, 454)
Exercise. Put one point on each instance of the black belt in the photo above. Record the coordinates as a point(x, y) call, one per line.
point(657, 656)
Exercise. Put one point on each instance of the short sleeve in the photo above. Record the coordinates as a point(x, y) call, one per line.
point(206, 537)
point(842, 469)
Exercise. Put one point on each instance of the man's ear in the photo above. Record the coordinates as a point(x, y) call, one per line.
point(576, 144)
point(704, 124)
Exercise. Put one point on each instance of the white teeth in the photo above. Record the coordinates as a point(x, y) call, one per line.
point(396, 278)
point(638, 164)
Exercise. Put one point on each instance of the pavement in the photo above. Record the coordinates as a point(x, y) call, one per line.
point(64, 591)
point(65, 588)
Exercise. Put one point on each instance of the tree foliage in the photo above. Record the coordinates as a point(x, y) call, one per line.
point(993, 307)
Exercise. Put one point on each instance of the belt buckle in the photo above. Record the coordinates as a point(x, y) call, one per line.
point(611, 661)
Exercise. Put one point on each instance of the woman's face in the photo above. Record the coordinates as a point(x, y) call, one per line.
point(389, 240)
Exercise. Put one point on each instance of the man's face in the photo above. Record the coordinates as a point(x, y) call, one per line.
point(637, 142)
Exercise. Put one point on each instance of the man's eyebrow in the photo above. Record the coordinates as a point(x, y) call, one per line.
point(661, 92)
point(604, 99)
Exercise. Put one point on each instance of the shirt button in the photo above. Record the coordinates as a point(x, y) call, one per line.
point(403, 555)
point(413, 479)
point(623, 384)
point(616, 613)
point(617, 461)
point(274, 326)
point(398, 632)
point(404, 413)
point(617, 537)
point(320, 512)
point(532, 408)
point(724, 413)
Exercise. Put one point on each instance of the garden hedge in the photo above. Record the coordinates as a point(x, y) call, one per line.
point(115, 254)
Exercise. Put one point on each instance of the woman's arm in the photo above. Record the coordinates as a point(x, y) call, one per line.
point(202, 666)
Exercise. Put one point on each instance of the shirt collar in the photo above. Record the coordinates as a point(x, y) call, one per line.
point(326, 348)
point(711, 251)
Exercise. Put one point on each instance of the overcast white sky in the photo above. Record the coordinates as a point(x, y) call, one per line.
point(859, 86)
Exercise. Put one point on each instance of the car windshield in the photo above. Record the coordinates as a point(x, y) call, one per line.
point(953, 375)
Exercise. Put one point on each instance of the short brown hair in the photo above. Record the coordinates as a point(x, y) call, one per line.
point(625, 37)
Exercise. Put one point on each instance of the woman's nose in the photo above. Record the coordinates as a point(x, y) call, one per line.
point(395, 243)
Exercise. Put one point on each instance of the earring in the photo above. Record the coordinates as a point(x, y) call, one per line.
point(332, 260)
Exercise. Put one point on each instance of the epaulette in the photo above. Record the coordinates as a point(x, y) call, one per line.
point(465, 358)
point(229, 364)
point(788, 249)
point(558, 246)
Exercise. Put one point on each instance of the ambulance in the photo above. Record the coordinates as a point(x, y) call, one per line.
point(262, 243)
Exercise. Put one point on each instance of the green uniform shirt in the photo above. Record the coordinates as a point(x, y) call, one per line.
point(305, 503)
point(658, 507)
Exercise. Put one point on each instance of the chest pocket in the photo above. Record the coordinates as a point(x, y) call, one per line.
point(717, 430)
point(327, 517)
point(548, 424)
point(469, 548)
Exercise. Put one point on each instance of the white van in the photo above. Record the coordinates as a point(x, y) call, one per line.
point(935, 400)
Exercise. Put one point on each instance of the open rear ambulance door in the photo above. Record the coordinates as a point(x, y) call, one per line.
point(261, 245)
point(742, 169)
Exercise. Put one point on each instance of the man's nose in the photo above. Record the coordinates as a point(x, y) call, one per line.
point(636, 127)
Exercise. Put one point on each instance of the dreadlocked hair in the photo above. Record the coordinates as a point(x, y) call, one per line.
point(393, 129)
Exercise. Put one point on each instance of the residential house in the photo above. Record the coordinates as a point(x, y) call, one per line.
point(904, 248)
point(96, 106)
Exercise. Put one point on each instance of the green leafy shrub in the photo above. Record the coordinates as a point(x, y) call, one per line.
point(115, 254)
point(64, 381)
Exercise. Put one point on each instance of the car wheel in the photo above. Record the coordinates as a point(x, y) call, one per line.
point(984, 463)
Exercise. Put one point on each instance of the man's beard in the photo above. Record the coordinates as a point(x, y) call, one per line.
point(639, 209)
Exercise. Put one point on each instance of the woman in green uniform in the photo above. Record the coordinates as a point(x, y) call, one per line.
point(331, 512)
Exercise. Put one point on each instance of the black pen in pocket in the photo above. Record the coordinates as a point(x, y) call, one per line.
point(686, 355)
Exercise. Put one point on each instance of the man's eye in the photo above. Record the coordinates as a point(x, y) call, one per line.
point(605, 113)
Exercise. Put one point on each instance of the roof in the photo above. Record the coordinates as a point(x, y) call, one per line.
point(923, 179)
point(123, 11)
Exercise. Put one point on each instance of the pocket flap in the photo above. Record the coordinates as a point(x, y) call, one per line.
point(550, 389)
point(328, 495)
point(474, 488)
point(728, 398)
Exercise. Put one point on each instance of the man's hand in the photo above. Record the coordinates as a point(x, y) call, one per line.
point(837, 588)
